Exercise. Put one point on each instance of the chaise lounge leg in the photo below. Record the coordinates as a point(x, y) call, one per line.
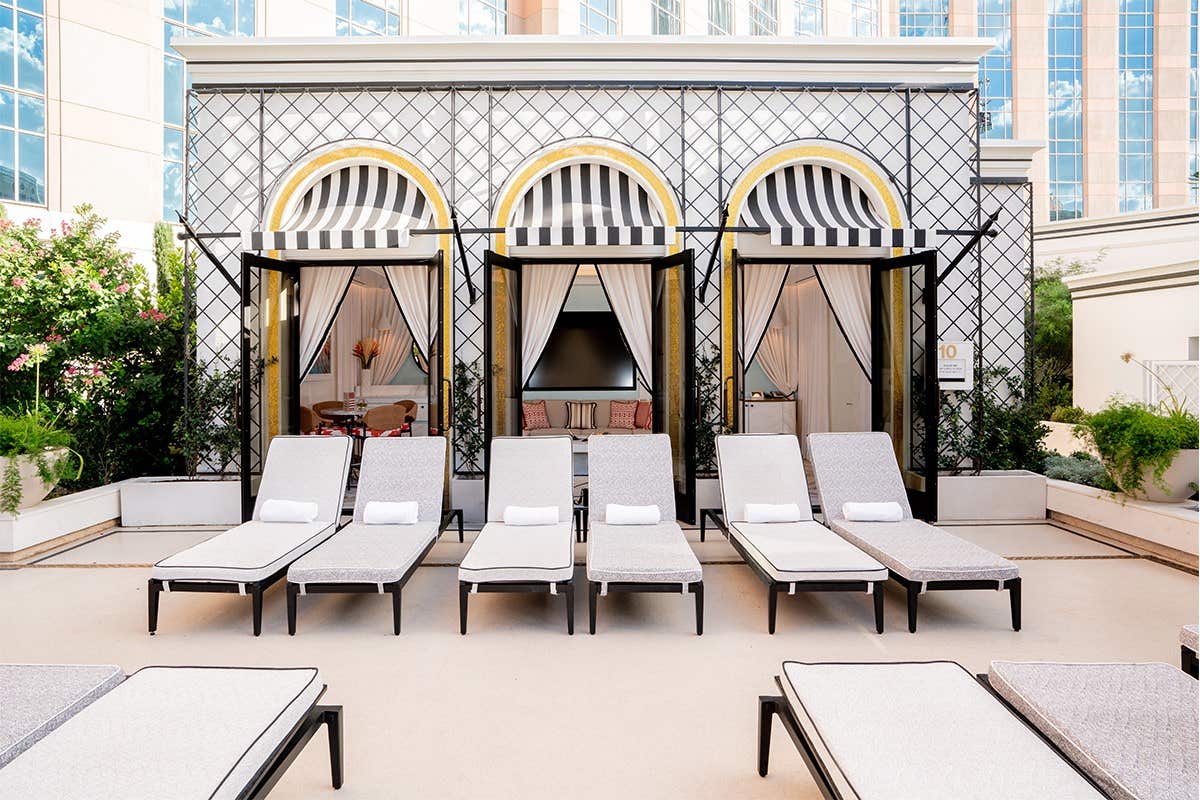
point(772, 605)
point(463, 590)
point(877, 591)
point(256, 600)
point(152, 589)
point(593, 590)
point(914, 591)
point(766, 711)
point(396, 610)
point(460, 525)
point(699, 588)
point(333, 724)
point(570, 608)
point(293, 599)
point(1014, 601)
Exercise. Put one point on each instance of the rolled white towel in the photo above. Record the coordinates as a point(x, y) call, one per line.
point(288, 511)
point(872, 512)
point(616, 514)
point(378, 512)
point(531, 515)
point(773, 512)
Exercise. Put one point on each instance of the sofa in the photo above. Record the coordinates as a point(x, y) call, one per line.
point(556, 411)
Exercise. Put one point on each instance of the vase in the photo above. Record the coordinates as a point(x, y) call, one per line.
point(33, 488)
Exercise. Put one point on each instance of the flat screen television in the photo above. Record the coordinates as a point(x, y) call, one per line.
point(585, 351)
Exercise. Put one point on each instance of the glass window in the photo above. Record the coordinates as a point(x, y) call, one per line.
point(764, 17)
point(1065, 107)
point(925, 17)
point(864, 15)
point(370, 17)
point(996, 70)
point(478, 17)
point(665, 17)
point(598, 17)
point(810, 17)
point(23, 101)
point(182, 18)
point(1193, 122)
point(1135, 105)
point(720, 17)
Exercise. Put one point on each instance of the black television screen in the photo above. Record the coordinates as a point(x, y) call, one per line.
point(585, 351)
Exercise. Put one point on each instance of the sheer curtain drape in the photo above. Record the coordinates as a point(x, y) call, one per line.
point(628, 288)
point(544, 289)
point(759, 290)
point(380, 319)
point(848, 288)
point(795, 353)
point(410, 285)
point(321, 291)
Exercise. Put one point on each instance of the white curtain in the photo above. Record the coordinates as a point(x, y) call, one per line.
point(795, 353)
point(848, 287)
point(321, 291)
point(628, 287)
point(544, 289)
point(380, 319)
point(410, 284)
point(758, 291)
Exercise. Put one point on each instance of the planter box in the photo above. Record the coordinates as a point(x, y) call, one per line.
point(708, 495)
point(1062, 439)
point(1164, 529)
point(467, 494)
point(179, 501)
point(54, 523)
point(992, 495)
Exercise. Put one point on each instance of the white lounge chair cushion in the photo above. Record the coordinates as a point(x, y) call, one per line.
point(312, 469)
point(403, 469)
point(1188, 635)
point(362, 553)
point(805, 551)
point(926, 730)
point(640, 554)
point(1131, 727)
point(919, 551)
point(187, 733)
point(530, 471)
point(630, 471)
point(761, 468)
point(37, 698)
point(528, 553)
point(250, 552)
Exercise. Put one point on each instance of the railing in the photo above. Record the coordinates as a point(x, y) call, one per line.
point(1181, 378)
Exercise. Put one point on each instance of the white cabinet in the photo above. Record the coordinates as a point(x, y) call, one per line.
point(770, 416)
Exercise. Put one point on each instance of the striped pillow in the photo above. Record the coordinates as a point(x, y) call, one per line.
point(581, 416)
point(621, 413)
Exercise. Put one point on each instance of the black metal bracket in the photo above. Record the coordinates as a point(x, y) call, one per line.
point(237, 287)
point(984, 230)
point(462, 255)
point(716, 252)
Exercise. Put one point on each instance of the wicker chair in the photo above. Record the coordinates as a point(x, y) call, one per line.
point(308, 420)
point(326, 405)
point(388, 418)
point(410, 409)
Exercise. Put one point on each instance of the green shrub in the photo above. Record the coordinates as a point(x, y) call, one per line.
point(1000, 430)
point(1132, 438)
point(1078, 468)
point(30, 435)
point(1070, 414)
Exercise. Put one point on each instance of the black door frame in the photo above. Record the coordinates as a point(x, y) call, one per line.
point(290, 269)
point(926, 502)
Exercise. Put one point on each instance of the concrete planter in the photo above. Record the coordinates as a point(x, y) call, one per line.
point(467, 494)
point(33, 488)
point(708, 495)
point(1061, 439)
point(1180, 479)
point(992, 495)
point(165, 501)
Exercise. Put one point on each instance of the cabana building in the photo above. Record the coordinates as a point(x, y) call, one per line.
point(748, 234)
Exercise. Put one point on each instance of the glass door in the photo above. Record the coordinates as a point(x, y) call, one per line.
point(674, 390)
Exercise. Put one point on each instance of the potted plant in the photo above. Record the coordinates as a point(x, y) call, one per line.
point(466, 488)
point(1150, 453)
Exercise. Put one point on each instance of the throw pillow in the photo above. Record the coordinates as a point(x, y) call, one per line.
point(581, 416)
point(534, 416)
point(622, 414)
point(644, 417)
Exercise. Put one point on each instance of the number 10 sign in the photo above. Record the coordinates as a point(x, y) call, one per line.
point(956, 366)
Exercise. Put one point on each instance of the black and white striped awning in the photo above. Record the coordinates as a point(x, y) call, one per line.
point(587, 204)
point(362, 207)
point(810, 205)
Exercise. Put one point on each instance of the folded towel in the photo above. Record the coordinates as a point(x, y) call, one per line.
point(615, 514)
point(531, 515)
point(288, 511)
point(771, 512)
point(872, 512)
point(378, 512)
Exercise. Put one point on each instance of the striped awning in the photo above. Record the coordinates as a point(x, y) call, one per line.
point(587, 204)
point(809, 205)
point(361, 207)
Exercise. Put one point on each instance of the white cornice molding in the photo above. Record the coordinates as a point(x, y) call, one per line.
point(1007, 158)
point(543, 59)
point(1164, 276)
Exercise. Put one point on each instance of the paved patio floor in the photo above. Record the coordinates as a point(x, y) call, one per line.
point(644, 709)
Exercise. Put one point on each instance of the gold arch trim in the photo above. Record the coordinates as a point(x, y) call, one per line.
point(441, 211)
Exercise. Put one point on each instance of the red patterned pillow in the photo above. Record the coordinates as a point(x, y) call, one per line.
point(534, 416)
point(644, 416)
point(621, 414)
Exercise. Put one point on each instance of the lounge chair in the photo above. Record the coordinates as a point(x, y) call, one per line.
point(524, 473)
point(861, 467)
point(652, 557)
point(793, 556)
point(1187, 650)
point(1132, 728)
point(909, 730)
point(187, 733)
point(365, 558)
point(249, 558)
